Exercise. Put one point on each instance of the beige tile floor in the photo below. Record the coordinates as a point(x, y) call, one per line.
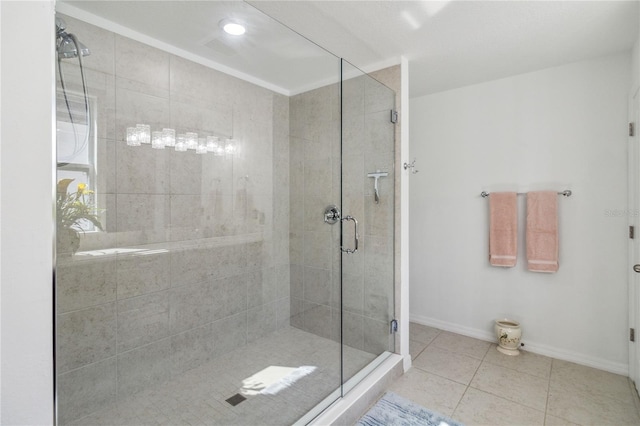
point(470, 381)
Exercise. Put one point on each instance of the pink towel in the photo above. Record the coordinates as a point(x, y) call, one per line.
point(542, 231)
point(503, 229)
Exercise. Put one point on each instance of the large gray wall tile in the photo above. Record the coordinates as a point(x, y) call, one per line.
point(230, 295)
point(317, 285)
point(191, 306)
point(143, 320)
point(135, 105)
point(261, 287)
point(85, 336)
point(283, 280)
point(229, 333)
point(142, 218)
point(261, 321)
point(318, 247)
point(140, 62)
point(143, 367)
point(191, 79)
point(283, 313)
point(85, 283)
point(142, 273)
point(192, 348)
point(141, 169)
point(317, 319)
point(85, 390)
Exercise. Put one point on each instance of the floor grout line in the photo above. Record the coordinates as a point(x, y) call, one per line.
point(540, 373)
point(546, 404)
point(460, 401)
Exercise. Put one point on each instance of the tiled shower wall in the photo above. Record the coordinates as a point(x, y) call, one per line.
point(316, 182)
point(194, 260)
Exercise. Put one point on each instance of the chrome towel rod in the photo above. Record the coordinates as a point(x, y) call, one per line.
point(566, 193)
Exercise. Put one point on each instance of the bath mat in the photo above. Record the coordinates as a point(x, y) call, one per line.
point(395, 410)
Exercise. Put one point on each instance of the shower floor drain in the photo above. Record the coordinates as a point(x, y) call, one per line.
point(235, 399)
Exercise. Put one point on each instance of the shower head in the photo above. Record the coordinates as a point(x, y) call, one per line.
point(67, 47)
point(67, 44)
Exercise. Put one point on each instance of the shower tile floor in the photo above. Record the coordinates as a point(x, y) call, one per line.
point(198, 397)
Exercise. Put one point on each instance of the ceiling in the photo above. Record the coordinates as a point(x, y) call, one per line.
point(269, 54)
point(448, 44)
point(451, 44)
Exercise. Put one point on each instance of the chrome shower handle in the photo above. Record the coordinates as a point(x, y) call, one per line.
point(355, 235)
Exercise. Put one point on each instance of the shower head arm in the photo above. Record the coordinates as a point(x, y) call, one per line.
point(61, 25)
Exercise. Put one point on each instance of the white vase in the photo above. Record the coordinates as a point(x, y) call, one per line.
point(509, 334)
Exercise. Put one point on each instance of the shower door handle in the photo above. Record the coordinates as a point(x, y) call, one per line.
point(355, 235)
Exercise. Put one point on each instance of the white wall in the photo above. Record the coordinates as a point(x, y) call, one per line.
point(405, 177)
point(26, 179)
point(0, 220)
point(635, 66)
point(558, 128)
point(633, 189)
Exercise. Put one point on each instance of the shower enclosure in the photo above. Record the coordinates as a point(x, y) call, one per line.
point(198, 277)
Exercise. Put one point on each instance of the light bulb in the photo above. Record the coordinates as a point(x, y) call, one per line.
point(201, 148)
point(169, 137)
point(144, 133)
point(133, 137)
point(191, 140)
point(234, 28)
point(212, 143)
point(181, 144)
point(156, 140)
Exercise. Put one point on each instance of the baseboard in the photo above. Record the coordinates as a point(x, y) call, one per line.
point(541, 349)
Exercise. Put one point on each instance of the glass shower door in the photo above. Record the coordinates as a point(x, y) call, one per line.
point(201, 283)
point(368, 185)
point(197, 288)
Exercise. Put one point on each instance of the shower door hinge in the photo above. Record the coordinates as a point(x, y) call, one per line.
point(632, 335)
point(632, 232)
point(394, 116)
point(393, 326)
point(632, 129)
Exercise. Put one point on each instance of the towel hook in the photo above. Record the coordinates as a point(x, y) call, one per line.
point(411, 166)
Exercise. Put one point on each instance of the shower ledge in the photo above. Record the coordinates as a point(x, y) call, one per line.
point(159, 248)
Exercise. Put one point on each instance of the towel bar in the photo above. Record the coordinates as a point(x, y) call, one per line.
point(566, 193)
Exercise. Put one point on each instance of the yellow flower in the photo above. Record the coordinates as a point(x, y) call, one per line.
point(82, 189)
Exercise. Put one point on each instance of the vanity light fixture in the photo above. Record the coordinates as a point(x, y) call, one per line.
point(219, 146)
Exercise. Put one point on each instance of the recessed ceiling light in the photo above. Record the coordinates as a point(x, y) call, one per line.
point(232, 28)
